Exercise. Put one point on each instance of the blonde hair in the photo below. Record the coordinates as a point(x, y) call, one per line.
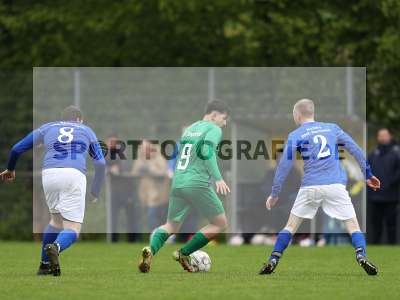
point(305, 107)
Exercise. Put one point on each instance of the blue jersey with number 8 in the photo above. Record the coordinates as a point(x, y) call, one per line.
point(66, 145)
point(318, 145)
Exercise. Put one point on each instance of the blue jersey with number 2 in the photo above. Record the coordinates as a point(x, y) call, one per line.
point(318, 145)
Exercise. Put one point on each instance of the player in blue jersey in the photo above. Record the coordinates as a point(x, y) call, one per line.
point(323, 183)
point(66, 144)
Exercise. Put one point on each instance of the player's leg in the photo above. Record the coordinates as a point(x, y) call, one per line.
point(201, 238)
point(157, 240)
point(69, 235)
point(305, 206)
point(282, 242)
point(178, 208)
point(50, 234)
point(177, 211)
point(65, 191)
point(359, 244)
point(162, 233)
point(207, 202)
point(337, 204)
point(64, 240)
point(357, 237)
point(51, 188)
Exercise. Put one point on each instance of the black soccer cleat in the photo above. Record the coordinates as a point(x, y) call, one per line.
point(271, 265)
point(368, 266)
point(44, 269)
point(52, 253)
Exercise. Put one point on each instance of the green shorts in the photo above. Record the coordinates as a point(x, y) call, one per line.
point(203, 199)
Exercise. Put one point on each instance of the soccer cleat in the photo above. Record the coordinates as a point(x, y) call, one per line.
point(52, 253)
point(183, 260)
point(44, 269)
point(369, 267)
point(145, 263)
point(270, 266)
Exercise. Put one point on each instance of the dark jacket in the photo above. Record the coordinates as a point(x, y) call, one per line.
point(385, 164)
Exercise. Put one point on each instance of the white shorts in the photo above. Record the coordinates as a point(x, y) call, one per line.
point(65, 191)
point(333, 198)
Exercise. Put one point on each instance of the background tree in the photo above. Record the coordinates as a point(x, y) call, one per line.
point(188, 33)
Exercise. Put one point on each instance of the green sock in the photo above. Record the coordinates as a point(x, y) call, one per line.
point(198, 241)
point(158, 239)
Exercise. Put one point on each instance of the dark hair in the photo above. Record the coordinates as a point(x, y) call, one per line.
point(217, 105)
point(385, 128)
point(71, 113)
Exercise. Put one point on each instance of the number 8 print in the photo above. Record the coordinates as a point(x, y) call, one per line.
point(66, 135)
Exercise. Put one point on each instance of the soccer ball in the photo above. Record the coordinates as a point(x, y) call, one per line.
point(200, 261)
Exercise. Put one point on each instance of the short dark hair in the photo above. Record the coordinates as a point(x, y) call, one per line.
point(71, 113)
point(217, 105)
point(387, 129)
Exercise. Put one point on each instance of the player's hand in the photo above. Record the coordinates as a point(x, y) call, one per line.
point(7, 175)
point(271, 201)
point(222, 187)
point(374, 183)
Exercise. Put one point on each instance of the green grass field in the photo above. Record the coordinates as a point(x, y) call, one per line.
point(101, 271)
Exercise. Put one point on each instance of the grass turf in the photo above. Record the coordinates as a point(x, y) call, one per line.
point(101, 271)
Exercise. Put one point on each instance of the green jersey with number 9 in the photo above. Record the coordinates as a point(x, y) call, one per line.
point(197, 158)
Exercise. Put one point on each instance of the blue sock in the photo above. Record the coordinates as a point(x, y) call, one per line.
point(358, 241)
point(49, 236)
point(66, 238)
point(283, 240)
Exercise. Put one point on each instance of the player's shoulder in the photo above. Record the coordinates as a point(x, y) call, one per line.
point(71, 124)
point(191, 130)
point(44, 128)
point(207, 125)
point(331, 125)
point(213, 130)
point(299, 131)
point(89, 132)
point(193, 125)
point(88, 129)
point(62, 124)
point(314, 127)
point(215, 127)
point(200, 128)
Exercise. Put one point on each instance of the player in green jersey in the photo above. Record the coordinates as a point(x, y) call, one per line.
point(191, 188)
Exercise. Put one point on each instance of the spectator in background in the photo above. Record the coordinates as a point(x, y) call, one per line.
point(152, 168)
point(122, 192)
point(382, 204)
point(265, 226)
